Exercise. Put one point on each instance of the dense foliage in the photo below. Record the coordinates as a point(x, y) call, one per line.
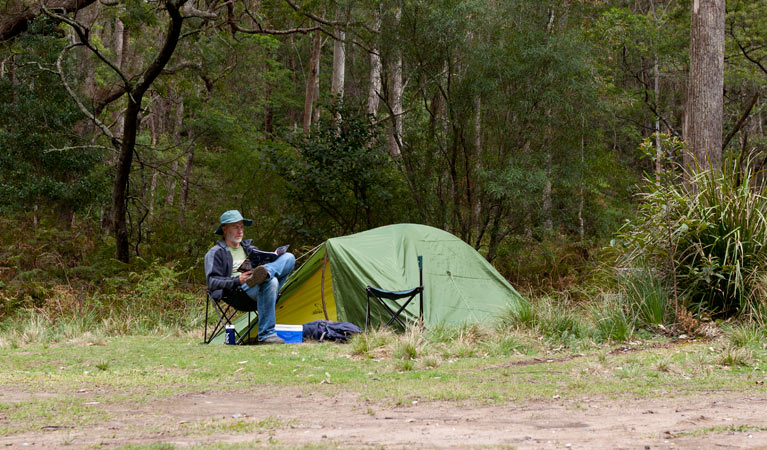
point(514, 125)
point(706, 238)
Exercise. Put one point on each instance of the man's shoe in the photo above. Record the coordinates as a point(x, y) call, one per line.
point(272, 340)
point(260, 274)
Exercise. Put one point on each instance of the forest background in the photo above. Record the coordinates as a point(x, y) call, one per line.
point(536, 131)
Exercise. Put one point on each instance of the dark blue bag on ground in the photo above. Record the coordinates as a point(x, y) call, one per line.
point(328, 330)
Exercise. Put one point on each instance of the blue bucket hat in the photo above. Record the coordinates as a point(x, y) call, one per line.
point(232, 216)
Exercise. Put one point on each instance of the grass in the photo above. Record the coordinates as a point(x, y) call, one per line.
point(722, 429)
point(79, 383)
point(151, 368)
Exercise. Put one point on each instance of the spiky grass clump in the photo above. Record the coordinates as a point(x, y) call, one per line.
point(647, 297)
point(733, 356)
point(370, 343)
point(747, 335)
point(612, 321)
point(559, 321)
point(708, 235)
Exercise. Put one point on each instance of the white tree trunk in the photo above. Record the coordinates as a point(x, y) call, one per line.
point(171, 186)
point(152, 188)
point(316, 90)
point(658, 149)
point(477, 210)
point(375, 73)
point(339, 62)
point(119, 34)
point(312, 81)
point(395, 97)
point(185, 186)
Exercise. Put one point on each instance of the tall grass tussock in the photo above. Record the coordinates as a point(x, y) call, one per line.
point(704, 235)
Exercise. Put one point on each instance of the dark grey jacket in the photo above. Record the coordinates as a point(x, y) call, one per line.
point(218, 268)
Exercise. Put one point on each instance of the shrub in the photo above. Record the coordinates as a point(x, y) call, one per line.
point(706, 236)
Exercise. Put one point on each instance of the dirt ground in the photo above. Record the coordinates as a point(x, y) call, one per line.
point(718, 420)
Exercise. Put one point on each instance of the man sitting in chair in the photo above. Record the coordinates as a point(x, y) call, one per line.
point(253, 290)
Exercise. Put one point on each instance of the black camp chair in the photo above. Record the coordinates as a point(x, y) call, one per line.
point(226, 313)
point(380, 294)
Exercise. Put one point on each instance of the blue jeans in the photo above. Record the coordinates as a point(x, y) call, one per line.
point(265, 294)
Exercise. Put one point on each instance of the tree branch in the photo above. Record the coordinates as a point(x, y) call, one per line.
point(190, 11)
point(104, 129)
point(314, 17)
point(261, 30)
point(742, 120)
point(169, 46)
point(17, 15)
point(745, 52)
point(83, 33)
point(235, 27)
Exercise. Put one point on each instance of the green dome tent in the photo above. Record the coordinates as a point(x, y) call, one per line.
point(460, 286)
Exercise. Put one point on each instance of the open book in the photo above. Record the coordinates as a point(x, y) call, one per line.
point(259, 257)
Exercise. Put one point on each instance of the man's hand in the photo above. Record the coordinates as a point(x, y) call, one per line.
point(245, 275)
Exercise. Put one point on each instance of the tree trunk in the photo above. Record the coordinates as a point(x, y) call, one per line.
point(548, 223)
point(131, 124)
point(152, 189)
point(705, 95)
point(311, 80)
point(658, 149)
point(170, 185)
point(153, 122)
point(339, 63)
point(185, 186)
point(374, 89)
point(268, 110)
point(177, 127)
point(316, 89)
point(477, 207)
point(395, 97)
point(582, 200)
point(120, 186)
point(12, 78)
point(119, 34)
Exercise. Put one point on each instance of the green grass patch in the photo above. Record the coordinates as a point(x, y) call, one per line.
point(244, 425)
point(74, 384)
point(722, 429)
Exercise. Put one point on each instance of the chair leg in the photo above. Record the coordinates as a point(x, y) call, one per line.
point(224, 318)
point(367, 312)
point(396, 315)
point(205, 333)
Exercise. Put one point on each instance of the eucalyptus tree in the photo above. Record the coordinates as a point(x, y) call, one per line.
point(705, 108)
point(489, 90)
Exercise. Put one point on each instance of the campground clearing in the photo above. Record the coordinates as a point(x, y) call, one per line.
point(167, 392)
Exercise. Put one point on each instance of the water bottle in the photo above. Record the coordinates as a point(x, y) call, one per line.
point(230, 337)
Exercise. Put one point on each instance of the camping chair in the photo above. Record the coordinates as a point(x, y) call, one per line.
point(380, 294)
point(226, 313)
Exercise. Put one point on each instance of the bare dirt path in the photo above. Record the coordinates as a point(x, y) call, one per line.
point(286, 417)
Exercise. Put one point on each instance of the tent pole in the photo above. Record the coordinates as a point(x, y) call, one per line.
point(420, 281)
point(322, 283)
